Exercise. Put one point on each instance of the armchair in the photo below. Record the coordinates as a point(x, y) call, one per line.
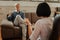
point(10, 32)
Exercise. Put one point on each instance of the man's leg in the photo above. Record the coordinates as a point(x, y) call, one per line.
point(18, 20)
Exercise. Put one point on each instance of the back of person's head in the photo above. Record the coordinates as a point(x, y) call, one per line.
point(43, 9)
point(56, 29)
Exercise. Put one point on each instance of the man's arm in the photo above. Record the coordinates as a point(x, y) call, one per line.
point(22, 15)
point(9, 17)
point(37, 30)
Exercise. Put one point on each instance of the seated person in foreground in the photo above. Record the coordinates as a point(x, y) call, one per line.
point(43, 26)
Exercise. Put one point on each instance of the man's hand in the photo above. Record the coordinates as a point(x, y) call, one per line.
point(8, 15)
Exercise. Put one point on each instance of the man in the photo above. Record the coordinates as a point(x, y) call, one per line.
point(16, 16)
point(18, 19)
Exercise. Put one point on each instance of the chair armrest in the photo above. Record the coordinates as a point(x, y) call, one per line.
point(9, 30)
point(6, 23)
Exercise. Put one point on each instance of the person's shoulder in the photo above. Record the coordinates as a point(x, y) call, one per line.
point(21, 12)
point(13, 12)
point(38, 22)
point(42, 21)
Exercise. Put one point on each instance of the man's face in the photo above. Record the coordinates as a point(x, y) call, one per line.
point(18, 7)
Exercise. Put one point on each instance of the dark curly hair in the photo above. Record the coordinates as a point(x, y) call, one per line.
point(43, 9)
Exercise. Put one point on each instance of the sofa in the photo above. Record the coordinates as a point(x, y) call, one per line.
point(11, 32)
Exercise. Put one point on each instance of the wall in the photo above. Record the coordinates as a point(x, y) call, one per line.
point(26, 6)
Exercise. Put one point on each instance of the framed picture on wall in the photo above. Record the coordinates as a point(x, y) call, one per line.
point(52, 1)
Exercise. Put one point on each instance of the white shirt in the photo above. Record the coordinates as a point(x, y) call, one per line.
point(43, 28)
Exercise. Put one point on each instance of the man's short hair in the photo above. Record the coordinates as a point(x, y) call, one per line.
point(17, 4)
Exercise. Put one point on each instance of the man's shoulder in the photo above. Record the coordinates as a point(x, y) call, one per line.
point(16, 11)
point(21, 12)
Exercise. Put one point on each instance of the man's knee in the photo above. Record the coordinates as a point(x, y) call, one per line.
point(18, 16)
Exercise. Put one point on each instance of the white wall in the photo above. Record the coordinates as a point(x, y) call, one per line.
point(26, 5)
